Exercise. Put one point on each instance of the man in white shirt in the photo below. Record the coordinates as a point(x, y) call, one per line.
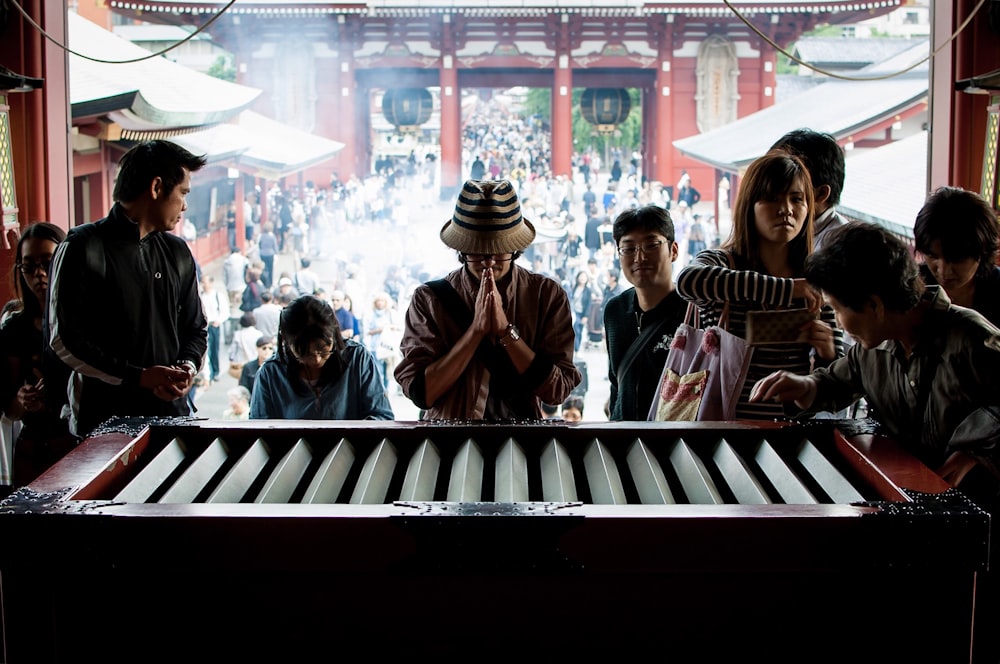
point(215, 303)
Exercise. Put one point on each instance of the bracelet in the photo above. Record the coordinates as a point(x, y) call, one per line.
point(510, 333)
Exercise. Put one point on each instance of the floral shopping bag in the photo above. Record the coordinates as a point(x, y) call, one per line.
point(703, 375)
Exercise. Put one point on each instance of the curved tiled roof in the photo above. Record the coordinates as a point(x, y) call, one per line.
point(838, 107)
point(887, 185)
point(157, 98)
point(851, 53)
point(162, 92)
point(843, 109)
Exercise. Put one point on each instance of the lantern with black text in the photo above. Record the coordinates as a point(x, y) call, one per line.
point(407, 108)
point(605, 108)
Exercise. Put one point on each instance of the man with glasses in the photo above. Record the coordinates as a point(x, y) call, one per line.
point(492, 340)
point(124, 311)
point(640, 322)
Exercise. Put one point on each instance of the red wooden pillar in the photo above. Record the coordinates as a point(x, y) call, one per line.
point(346, 89)
point(451, 128)
point(39, 119)
point(40, 149)
point(562, 119)
point(562, 104)
point(663, 113)
point(647, 101)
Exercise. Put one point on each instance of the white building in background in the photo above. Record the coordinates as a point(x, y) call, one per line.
point(198, 53)
point(911, 20)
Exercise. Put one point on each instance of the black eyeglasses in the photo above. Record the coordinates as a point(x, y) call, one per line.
point(482, 258)
point(31, 267)
point(318, 354)
point(646, 248)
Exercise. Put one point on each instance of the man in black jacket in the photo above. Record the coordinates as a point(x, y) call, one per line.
point(640, 323)
point(124, 310)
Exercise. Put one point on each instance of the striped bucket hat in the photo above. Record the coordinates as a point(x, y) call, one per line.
point(488, 220)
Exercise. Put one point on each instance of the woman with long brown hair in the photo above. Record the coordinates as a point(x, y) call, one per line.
point(760, 268)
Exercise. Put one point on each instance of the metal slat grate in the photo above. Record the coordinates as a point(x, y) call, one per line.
point(602, 475)
point(329, 480)
point(647, 473)
point(421, 473)
point(290, 471)
point(466, 483)
point(237, 482)
point(196, 478)
point(693, 470)
point(558, 484)
point(149, 480)
point(694, 477)
point(373, 485)
point(826, 475)
point(738, 475)
point(511, 474)
point(788, 485)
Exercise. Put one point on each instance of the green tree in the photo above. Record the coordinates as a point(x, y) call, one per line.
point(627, 136)
point(223, 68)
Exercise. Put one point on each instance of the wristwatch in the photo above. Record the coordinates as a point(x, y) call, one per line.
point(510, 336)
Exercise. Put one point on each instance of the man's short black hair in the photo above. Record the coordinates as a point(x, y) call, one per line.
point(153, 159)
point(964, 223)
point(861, 260)
point(651, 217)
point(822, 155)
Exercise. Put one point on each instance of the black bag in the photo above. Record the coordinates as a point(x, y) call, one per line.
point(251, 297)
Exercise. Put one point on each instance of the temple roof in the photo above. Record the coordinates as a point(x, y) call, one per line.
point(842, 108)
point(294, 8)
point(261, 146)
point(886, 185)
point(161, 91)
point(155, 98)
point(851, 53)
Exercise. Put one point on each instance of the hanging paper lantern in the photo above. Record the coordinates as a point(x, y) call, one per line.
point(605, 108)
point(407, 108)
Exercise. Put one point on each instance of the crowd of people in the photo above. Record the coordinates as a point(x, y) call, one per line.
point(116, 319)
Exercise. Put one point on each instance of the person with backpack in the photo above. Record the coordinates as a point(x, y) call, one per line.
point(125, 314)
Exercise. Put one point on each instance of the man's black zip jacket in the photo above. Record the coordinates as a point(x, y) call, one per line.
point(108, 327)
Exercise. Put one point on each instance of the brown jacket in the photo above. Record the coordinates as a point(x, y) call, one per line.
point(539, 308)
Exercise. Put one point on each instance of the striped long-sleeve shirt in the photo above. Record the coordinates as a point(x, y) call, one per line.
point(710, 283)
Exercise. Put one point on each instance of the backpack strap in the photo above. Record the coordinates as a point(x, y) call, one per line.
point(630, 356)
